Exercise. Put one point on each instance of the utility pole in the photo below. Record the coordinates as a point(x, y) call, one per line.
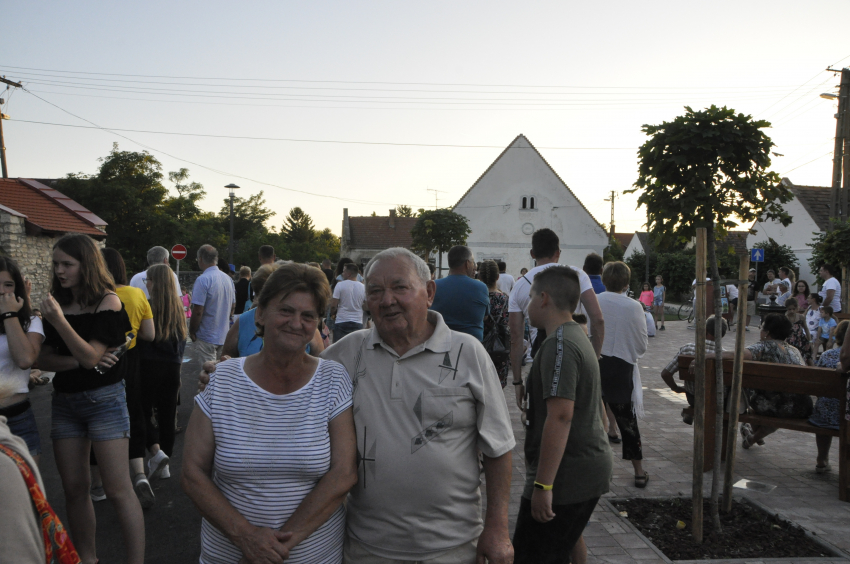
point(611, 199)
point(2, 117)
point(841, 156)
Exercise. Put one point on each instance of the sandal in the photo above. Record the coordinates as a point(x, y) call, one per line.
point(641, 481)
point(615, 439)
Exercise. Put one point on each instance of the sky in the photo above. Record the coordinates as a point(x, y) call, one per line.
point(366, 105)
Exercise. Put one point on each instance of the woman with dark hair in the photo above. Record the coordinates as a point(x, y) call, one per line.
point(496, 317)
point(287, 503)
point(83, 318)
point(773, 348)
point(801, 294)
point(21, 335)
point(160, 363)
point(141, 326)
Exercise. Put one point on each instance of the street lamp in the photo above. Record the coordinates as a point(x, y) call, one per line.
point(231, 187)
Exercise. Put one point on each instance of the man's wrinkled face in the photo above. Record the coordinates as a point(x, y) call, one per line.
point(397, 299)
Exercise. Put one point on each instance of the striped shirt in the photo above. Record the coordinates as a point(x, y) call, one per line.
point(270, 452)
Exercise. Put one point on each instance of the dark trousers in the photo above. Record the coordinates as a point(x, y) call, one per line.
point(551, 542)
point(160, 389)
point(627, 422)
point(344, 328)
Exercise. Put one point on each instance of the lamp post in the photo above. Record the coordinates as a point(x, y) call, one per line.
point(231, 187)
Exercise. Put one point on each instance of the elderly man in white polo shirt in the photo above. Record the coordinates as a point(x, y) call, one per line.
point(426, 400)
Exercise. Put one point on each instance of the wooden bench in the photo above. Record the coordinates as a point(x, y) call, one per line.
point(820, 382)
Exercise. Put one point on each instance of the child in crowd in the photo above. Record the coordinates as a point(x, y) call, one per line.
point(783, 293)
point(646, 296)
point(826, 329)
point(813, 314)
point(659, 297)
point(568, 459)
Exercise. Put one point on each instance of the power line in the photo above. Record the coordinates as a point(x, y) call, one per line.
point(804, 164)
point(321, 140)
point(217, 171)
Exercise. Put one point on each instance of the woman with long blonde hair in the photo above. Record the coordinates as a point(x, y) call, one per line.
point(160, 366)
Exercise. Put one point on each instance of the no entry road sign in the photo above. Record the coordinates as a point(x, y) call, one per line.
point(756, 255)
point(178, 252)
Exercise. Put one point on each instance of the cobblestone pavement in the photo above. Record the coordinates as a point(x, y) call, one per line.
point(786, 461)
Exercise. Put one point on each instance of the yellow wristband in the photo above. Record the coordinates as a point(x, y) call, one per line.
point(543, 487)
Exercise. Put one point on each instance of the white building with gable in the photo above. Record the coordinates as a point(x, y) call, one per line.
point(517, 195)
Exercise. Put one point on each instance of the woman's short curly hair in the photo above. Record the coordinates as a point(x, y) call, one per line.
point(777, 326)
point(488, 273)
point(291, 278)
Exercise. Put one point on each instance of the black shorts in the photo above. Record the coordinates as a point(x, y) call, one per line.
point(734, 302)
point(552, 542)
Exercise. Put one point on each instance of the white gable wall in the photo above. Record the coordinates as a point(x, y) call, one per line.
point(502, 230)
point(796, 235)
point(634, 247)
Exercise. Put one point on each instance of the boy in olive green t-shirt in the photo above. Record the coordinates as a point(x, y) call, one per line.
point(568, 458)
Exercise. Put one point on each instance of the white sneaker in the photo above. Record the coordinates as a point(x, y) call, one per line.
point(144, 491)
point(156, 464)
point(165, 474)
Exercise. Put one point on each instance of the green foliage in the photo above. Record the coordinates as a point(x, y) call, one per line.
point(831, 248)
point(297, 227)
point(704, 168)
point(404, 211)
point(614, 251)
point(438, 231)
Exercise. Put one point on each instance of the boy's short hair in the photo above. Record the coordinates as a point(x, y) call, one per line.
point(561, 284)
point(544, 243)
point(827, 310)
point(593, 264)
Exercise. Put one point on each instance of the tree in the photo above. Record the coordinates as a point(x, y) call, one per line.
point(249, 215)
point(298, 234)
point(404, 211)
point(438, 231)
point(775, 257)
point(831, 248)
point(614, 251)
point(708, 169)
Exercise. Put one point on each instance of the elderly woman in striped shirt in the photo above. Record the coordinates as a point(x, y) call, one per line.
point(270, 455)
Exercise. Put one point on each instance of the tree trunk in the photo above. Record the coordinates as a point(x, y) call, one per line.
point(718, 377)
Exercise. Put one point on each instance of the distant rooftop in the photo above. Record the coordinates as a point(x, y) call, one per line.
point(368, 232)
point(46, 210)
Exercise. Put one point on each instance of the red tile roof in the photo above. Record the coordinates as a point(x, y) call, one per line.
point(624, 238)
point(816, 201)
point(368, 232)
point(48, 210)
point(735, 239)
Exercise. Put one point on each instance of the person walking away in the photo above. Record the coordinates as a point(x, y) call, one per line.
point(593, 268)
point(496, 320)
point(21, 336)
point(461, 300)
point(646, 296)
point(244, 295)
point(213, 302)
point(568, 460)
point(752, 295)
point(659, 298)
point(827, 411)
point(287, 504)
point(625, 342)
point(160, 363)
point(83, 319)
point(347, 303)
point(266, 255)
point(141, 326)
point(830, 291)
point(506, 281)
point(156, 255)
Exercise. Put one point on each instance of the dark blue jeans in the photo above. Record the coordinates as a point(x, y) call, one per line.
point(344, 328)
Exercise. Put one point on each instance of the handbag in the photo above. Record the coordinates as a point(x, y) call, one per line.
point(495, 341)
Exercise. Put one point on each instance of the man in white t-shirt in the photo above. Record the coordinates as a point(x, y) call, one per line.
point(506, 281)
point(785, 277)
point(156, 255)
point(830, 290)
point(347, 303)
point(545, 249)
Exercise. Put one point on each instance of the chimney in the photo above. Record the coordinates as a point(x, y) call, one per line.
point(392, 219)
point(346, 230)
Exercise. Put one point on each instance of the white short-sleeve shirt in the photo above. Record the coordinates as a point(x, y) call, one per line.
point(350, 294)
point(520, 299)
point(832, 284)
point(9, 371)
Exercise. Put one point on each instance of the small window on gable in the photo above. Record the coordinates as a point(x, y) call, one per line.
point(532, 203)
point(524, 202)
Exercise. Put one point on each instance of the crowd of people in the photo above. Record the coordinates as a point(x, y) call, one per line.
point(347, 414)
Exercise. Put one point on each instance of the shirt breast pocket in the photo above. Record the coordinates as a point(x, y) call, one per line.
point(447, 409)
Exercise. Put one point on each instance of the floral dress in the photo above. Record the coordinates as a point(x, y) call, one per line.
point(800, 341)
point(826, 409)
point(778, 404)
point(499, 315)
